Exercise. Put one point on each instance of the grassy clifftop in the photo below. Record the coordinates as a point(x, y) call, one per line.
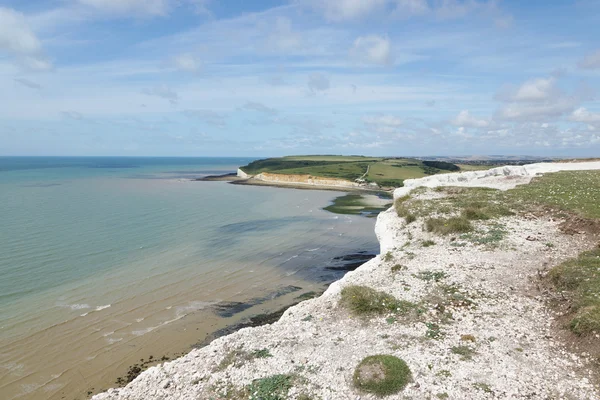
point(389, 172)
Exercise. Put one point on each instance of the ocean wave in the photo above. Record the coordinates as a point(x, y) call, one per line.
point(100, 308)
point(75, 307)
point(180, 312)
point(291, 258)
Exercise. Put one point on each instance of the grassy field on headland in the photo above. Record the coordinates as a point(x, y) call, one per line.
point(385, 172)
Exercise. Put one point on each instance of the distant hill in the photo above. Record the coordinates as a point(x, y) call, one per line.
point(384, 171)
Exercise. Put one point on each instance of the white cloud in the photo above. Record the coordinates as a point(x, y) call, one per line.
point(583, 115)
point(125, 7)
point(373, 49)
point(186, 62)
point(209, 116)
point(164, 92)
point(15, 34)
point(409, 8)
point(383, 124)
point(591, 61)
point(388, 120)
point(343, 10)
point(28, 83)
point(536, 111)
point(283, 37)
point(255, 106)
point(318, 82)
point(17, 38)
point(466, 120)
point(534, 90)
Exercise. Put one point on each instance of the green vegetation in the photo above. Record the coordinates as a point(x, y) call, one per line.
point(484, 387)
point(580, 279)
point(386, 172)
point(445, 226)
point(239, 357)
point(433, 331)
point(354, 204)
point(388, 257)
point(427, 243)
point(262, 353)
point(274, 387)
point(429, 276)
point(381, 375)
point(575, 191)
point(465, 352)
point(366, 301)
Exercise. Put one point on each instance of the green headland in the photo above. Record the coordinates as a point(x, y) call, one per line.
point(385, 172)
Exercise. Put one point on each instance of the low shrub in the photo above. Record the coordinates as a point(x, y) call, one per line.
point(580, 278)
point(274, 387)
point(381, 375)
point(445, 226)
point(363, 300)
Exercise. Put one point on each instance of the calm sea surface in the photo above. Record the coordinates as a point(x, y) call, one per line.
point(105, 261)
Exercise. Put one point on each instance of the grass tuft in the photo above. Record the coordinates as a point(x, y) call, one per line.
point(365, 301)
point(445, 226)
point(381, 375)
point(580, 278)
point(274, 387)
point(465, 352)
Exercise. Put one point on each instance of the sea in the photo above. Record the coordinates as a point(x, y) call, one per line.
point(108, 262)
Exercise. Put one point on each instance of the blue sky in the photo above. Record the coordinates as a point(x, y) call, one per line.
point(265, 78)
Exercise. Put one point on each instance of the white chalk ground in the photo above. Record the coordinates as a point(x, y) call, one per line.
point(514, 355)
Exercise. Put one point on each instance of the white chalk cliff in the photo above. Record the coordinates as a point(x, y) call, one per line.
point(320, 344)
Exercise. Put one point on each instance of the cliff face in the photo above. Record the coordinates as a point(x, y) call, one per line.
point(318, 344)
point(304, 180)
point(502, 178)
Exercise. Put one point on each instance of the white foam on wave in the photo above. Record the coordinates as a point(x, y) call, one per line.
point(180, 312)
point(139, 319)
point(315, 249)
point(100, 308)
point(108, 333)
point(113, 340)
point(78, 306)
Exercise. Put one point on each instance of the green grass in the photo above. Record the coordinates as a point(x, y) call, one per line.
point(274, 387)
point(575, 191)
point(446, 226)
point(465, 352)
point(386, 172)
point(366, 301)
point(430, 276)
point(381, 375)
point(354, 204)
point(580, 279)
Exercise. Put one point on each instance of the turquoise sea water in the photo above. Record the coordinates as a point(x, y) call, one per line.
point(102, 259)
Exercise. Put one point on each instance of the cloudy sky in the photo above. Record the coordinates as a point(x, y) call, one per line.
point(267, 77)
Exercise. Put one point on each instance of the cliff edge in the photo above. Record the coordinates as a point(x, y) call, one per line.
point(467, 317)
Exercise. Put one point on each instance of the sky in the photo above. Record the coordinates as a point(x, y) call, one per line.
point(270, 78)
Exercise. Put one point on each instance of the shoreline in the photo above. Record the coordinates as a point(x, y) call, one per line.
point(341, 264)
point(235, 179)
point(317, 334)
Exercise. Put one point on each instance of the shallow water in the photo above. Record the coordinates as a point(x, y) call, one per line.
point(104, 261)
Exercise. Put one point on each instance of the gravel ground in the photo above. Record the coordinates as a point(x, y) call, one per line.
point(483, 332)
